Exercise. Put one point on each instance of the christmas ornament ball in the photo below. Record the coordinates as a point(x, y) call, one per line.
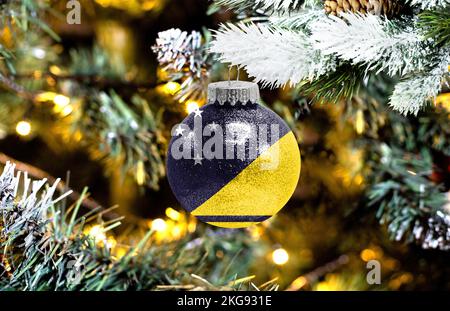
point(233, 163)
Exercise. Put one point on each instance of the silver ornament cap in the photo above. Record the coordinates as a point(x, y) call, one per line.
point(233, 93)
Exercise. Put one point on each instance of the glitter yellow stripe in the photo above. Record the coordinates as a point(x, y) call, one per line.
point(256, 191)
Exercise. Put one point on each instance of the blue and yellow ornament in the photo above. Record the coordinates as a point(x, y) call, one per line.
point(233, 163)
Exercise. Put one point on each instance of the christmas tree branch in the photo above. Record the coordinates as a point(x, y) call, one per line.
point(313, 276)
point(412, 93)
point(262, 5)
point(273, 56)
point(306, 46)
point(184, 57)
point(429, 4)
point(375, 42)
point(409, 203)
point(11, 85)
point(37, 173)
point(46, 247)
point(341, 84)
point(436, 25)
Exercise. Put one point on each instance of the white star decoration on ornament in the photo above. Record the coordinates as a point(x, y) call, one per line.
point(198, 160)
point(213, 125)
point(179, 131)
point(198, 112)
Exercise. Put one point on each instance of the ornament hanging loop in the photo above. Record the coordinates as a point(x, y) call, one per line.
point(230, 67)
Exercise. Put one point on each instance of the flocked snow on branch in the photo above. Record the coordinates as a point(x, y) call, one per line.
point(299, 20)
point(38, 194)
point(30, 206)
point(264, 5)
point(306, 44)
point(410, 93)
point(373, 41)
point(329, 57)
point(429, 4)
point(274, 56)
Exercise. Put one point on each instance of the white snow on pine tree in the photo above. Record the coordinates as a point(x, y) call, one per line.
point(373, 41)
point(273, 56)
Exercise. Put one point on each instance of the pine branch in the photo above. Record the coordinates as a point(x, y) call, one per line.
point(37, 173)
point(341, 84)
point(19, 17)
point(43, 246)
point(273, 56)
point(412, 93)
point(429, 4)
point(261, 5)
point(375, 42)
point(184, 57)
point(19, 90)
point(434, 130)
point(301, 20)
point(314, 275)
point(408, 202)
point(124, 135)
point(407, 179)
point(436, 25)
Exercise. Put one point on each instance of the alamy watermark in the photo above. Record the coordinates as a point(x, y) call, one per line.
point(75, 273)
point(73, 16)
point(373, 276)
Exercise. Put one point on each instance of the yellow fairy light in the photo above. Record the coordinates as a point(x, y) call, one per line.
point(298, 283)
point(23, 128)
point(149, 5)
point(132, 6)
point(173, 214)
point(360, 123)
point(256, 232)
point(368, 254)
point(176, 231)
point(159, 225)
point(55, 70)
point(192, 226)
point(191, 106)
point(104, 3)
point(61, 100)
point(120, 251)
point(66, 111)
point(397, 282)
point(46, 96)
point(140, 173)
point(324, 287)
point(77, 136)
point(97, 233)
point(171, 88)
point(110, 242)
point(359, 179)
point(280, 256)
point(50, 81)
point(37, 74)
point(443, 100)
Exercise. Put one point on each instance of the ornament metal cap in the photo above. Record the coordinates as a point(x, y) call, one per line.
point(233, 93)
